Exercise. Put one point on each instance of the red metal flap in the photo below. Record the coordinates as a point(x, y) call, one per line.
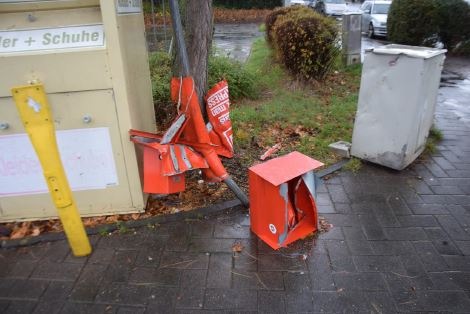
point(285, 168)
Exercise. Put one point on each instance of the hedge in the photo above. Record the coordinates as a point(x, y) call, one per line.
point(248, 4)
point(427, 22)
point(304, 41)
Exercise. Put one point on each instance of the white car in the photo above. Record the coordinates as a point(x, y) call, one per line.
point(309, 3)
point(334, 8)
point(374, 17)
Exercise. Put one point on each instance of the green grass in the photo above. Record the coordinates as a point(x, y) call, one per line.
point(353, 165)
point(435, 136)
point(326, 110)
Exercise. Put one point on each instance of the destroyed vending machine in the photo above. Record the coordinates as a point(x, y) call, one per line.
point(91, 58)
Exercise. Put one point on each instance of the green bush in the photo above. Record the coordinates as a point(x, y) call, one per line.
point(413, 22)
point(454, 22)
point(248, 4)
point(425, 22)
point(160, 75)
point(272, 17)
point(306, 43)
point(242, 84)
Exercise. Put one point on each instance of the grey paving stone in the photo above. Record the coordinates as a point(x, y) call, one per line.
point(381, 302)
point(417, 221)
point(233, 231)
point(297, 302)
point(342, 220)
point(445, 280)
point(337, 194)
point(446, 248)
point(398, 204)
point(459, 263)
point(401, 288)
point(243, 261)
point(274, 262)
point(452, 301)
point(429, 209)
point(359, 281)
point(461, 214)
point(230, 299)
point(409, 233)
point(20, 307)
point(354, 301)
point(265, 280)
point(101, 256)
point(219, 274)
point(391, 247)
point(297, 281)
point(326, 209)
point(342, 208)
point(87, 308)
point(447, 190)
point(162, 299)
point(130, 310)
point(431, 259)
point(327, 302)
point(452, 227)
point(271, 302)
point(118, 293)
point(57, 291)
point(27, 289)
point(211, 245)
point(190, 297)
point(334, 233)
point(57, 271)
point(464, 247)
point(378, 264)
point(321, 273)
point(202, 229)
point(4, 305)
point(48, 307)
point(148, 258)
point(184, 260)
point(323, 199)
point(18, 269)
point(340, 257)
point(371, 227)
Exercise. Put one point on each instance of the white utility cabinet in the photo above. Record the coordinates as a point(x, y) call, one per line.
point(397, 100)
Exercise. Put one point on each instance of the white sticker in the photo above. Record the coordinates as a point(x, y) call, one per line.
point(82, 36)
point(128, 6)
point(272, 228)
point(86, 154)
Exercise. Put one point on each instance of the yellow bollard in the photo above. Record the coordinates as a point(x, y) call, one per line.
point(36, 115)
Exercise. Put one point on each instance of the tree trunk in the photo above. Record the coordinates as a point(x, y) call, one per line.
point(198, 30)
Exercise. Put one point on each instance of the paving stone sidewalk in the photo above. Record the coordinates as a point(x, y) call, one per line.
point(400, 243)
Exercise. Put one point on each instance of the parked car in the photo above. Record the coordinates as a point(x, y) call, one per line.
point(374, 17)
point(334, 8)
point(310, 3)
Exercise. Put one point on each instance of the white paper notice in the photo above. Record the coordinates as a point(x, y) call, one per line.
point(86, 154)
point(69, 37)
point(128, 6)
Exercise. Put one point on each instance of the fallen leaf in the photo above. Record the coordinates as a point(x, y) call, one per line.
point(237, 247)
point(36, 231)
point(19, 232)
point(135, 216)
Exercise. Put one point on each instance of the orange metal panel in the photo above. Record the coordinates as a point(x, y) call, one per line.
point(282, 199)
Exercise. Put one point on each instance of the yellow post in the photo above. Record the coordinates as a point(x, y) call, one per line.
point(36, 115)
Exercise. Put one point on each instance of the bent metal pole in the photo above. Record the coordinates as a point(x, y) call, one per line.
point(210, 155)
